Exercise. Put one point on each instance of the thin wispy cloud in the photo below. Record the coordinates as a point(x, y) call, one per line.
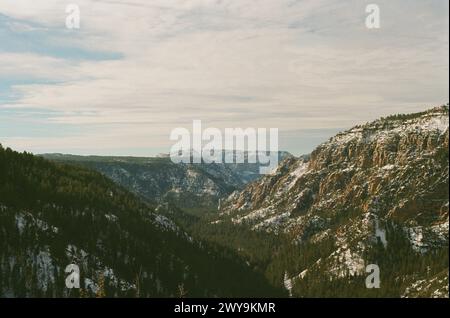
point(137, 69)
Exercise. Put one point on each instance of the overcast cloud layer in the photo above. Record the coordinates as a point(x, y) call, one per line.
point(137, 69)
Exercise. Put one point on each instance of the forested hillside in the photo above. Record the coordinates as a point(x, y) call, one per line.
point(52, 215)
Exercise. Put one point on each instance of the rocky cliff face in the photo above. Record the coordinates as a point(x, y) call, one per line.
point(356, 187)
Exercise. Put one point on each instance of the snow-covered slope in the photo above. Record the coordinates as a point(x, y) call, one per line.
point(358, 189)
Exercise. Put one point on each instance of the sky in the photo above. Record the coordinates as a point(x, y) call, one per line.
point(137, 69)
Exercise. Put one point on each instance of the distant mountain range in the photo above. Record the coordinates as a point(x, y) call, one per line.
point(159, 180)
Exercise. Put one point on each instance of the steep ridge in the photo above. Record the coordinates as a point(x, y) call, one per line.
point(53, 215)
point(368, 193)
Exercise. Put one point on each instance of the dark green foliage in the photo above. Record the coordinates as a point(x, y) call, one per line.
point(399, 265)
point(277, 256)
point(46, 207)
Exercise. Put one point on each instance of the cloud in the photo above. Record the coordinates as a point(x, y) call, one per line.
point(147, 67)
